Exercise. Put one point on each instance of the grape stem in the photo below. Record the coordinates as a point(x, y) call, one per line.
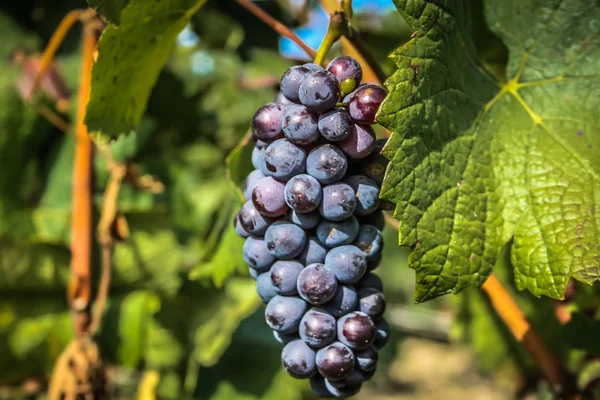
point(335, 30)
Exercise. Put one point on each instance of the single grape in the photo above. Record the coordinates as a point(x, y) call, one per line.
point(317, 328)
point(313, 67)
point(370, 280)
point(303, 193)
point(314, 252)
point(382, 335)
point(346, 387)
point(281, 99)
point(264, 287)
point(285, 240)
point(326, 163)
point(252, 221)
point(377, 219)
point(268, 197)
point(300, 125)
point(374, 262)
point(375, 164)
point(319, 90)
point(253, 273)
point(356, 330)
point(360, 143)
point(368, 375)
point(257, 255)
point(317, 386)
point(283, 160)
point(284, 338)
point(298, 359)
point(339, 202)
point(346, 69)
point(251, 181)
point(333, 234)
point(266, 123)
point(335, 362)
point(258, 157)
point(364, 103)
point(366, 360)
point(335, 124)
point(371, 302)
point(344, 301)
point(239, 229)
point(370, 241)
point(348, 263)
point(305, 220)
point(317, 284)
point(367, 194)
point(283, 314)
point(284, 275)
point(290, 82)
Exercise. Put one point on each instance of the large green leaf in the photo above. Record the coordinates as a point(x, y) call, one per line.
point(476, 162)
point(129, 61)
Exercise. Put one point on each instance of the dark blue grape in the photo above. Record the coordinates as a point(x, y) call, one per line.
point(374, 262)
point(266, 123)
point(317, 386)
point(356, 330)
point(317, 284)
point(346, 70)
point(252, 221)
point(377, 219)
point(260, 144)
point(284, 275)
point(313, 67)
point(285, 240)
point(300, 125)
point(239, 229)
point(317, 328)
point(360, 143)
point(335, 125)
point(339, 202)
point(367, 194)
point(319, 90)
point(348, 263)
point(335, 362)
point(283, 160)
point(281, 99)
point(257, 255)
point(253, 273)
point(344, 301)
point(268, 197)
point(264, 287)
point(283, 314)
point(305, 220)
point(368, 375)
point(258, 157)
point(314, 252)
point(366, 360)
point(298, 359)
point(303, 193)
point(346, 387)
point(375, 164)
point(290, 82)
point(370, 280)
point(371, 302)
point(251, 181)
point(364, 103)
point(284, 338)
point(333, 234)
point(370, 241)
point(326, 163)
point(382, 335)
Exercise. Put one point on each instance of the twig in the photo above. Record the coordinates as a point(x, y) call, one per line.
point(277, 26)
point(53, 118)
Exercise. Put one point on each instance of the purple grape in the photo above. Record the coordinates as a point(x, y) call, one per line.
point(305, 220)
point(317, 284)
point(319, 90)
point(347, 71)
point(260, 144)
point(284, 338)
point(376, 219)
point(257, 255)
point(360, 143)
point(283, 160)
point(283, 314)
point(370, 280)
point(253, 273)
point(335, 362)
point(264, 287)
point(348, 263)
point(367, 194)
point(251, 181)
point(346, 387)
point(317, 328)
point(313, 67)
point(290, 82)
point(364, 103)
point(252, 221)
point(268, 197)
point(300, 125)
point(375, 164)
point(370, 241)
point(266, 123)
point(317, 386)
point(344, 301)
point(382, 335)
point(366, 360)
point(374, 262)
point(239, 229)
point(284, 276)
point(333, 234)
point(285, 240)
point(356, 330)
point(281, 99)
point(258, 157)
point(339, 202)
point(368, 375)
point(335, 124)
point(371, 302)
point(314, 252)
point(298, 359)
point(303, 193)
point(326, 163)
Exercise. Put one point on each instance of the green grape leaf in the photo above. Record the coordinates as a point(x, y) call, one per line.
point(110, 10)
point(476, 163)
point(130, 58)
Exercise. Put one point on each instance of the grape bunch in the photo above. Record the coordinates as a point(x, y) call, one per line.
point(312, 223)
